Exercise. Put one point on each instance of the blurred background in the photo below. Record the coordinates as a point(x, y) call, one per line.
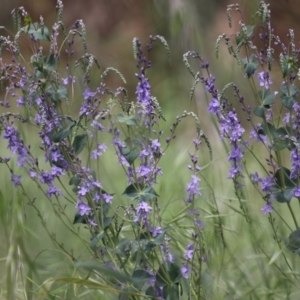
point(186, 25)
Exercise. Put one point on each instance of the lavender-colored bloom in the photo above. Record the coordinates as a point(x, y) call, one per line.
point(236, 154)
point(199, 223)
point(255, 178)
point(16, 180)
point(88, 94)
point(230, 126)
point(267, 184)
point(101, 148)
point(190, 251)
point(107, 198)
point(144, 153)
point(84, 189)
point(267, 208)
point(155, 231)
point(69, 79)
point(53, 190)
point(142, 212)
point(97, 125)
point(210, 84)
point(33, 173)
point(21, 101)
point(56, 171)
point(264, 79)
point(193, 188)
point(295, 161)
point(83, 208)
point(185, 271)
point(46, 177)
point(214, 106)
point(286, 118)
point(155, 145)
point(92, 222)
point(143, 90)
point(296, 192)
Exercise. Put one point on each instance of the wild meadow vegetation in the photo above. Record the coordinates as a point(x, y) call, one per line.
point(95, 203)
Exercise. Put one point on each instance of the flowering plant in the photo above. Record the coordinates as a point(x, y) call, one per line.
point(131, 250)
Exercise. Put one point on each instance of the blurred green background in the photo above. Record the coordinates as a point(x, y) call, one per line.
point(111, 26)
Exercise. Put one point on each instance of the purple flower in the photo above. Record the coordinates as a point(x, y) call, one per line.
point(142, 212)
point(21, 101)
point(297, 192)
point(101, 148)
point(155, 231)
point(295, 161)
point(236, 154)
point(56, 171)
point(190, 251)
point(185, 271)
point(286, 118)
point(155, 145)
point(193, 188)
point(16, 179)
point(267, 184)
point(143, 90)
point(255, 178)
point(69, 79)
point(214, 106)
point(264, 79)
point(53, 190)
point(107, 198)
point(88, 94)
point(267, 208)
point(83, 190)
point(46, 178)
point(199, 223)
point(83, 208)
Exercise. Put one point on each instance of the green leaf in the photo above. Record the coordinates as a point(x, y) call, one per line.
point(171, 292)
point(158, 240)
point(285, 173)
point(96, 239)
point(168, 272)
point(139, 191)
point(79, 219)
point(250, 30)
point(174, 273)
point(267, 97)
point(50, 62)
point(57, 137)
point(38, 31)
point(128, 120)
point(283, 193)
point(250, 68)
point(289, 95)
point(130, 154)
point(250, 65)
point(140, 277)
point(114, 274)
point(293, 241)
point(75, 180)
point(289, 65)
point(61, 93)
point(288, 101)
point(161, 276)
point(151, 291)
point(79, 143)
point(259, 111)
